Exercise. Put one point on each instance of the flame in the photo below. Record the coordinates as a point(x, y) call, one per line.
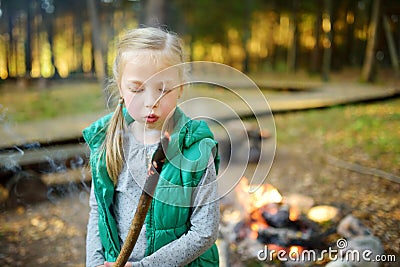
point(294, 214)
point(275, 247)
point(322, 213)
point(256, 223)
point(266, 199)
point(295, 251)
point(254, 227)
point(264, 195)
point(254, 230)
point(253, 203)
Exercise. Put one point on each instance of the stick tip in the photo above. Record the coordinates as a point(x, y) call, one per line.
point(167, 135)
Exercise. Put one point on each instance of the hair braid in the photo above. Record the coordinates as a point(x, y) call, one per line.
point(114, 143)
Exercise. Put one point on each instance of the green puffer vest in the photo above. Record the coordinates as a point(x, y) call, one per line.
point(168, 218)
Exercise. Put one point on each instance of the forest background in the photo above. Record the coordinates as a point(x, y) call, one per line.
point(75, 39)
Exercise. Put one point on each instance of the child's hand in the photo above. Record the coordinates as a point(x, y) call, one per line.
point(111, 264)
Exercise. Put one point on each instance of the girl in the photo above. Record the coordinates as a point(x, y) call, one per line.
point(182, 223)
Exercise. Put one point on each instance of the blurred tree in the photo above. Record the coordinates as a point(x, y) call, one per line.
point(9, 15)
point(315, 53)
point(249, 35)
point(391, 45)
point(247, 10)
point(12, 13)
point(350, 8)
point(327, 41)
point(48, 19)
point(154, 12)
point(367, 70)
point(28, 39)
point(205, 20)
point(99, 64)
point(205, 23)
point(292, 49)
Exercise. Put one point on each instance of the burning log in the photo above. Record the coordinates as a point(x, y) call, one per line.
point(275, 216)
point(309, 237)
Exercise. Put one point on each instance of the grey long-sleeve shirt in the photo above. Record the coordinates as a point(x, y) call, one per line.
point(204, 219)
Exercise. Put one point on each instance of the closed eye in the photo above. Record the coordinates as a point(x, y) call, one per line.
point(135, 89)
point(135, 86)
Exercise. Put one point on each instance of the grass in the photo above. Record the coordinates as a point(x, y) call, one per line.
point(34, 103)
point(367, 134)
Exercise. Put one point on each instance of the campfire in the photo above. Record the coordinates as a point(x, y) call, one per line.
point(265, 219)
point(264, 222)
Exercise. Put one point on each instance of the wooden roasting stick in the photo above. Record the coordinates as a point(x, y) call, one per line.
point(155, 167)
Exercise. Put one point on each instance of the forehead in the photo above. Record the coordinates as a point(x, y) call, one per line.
point(147, 65)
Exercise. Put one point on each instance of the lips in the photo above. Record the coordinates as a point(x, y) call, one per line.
point(151, 118)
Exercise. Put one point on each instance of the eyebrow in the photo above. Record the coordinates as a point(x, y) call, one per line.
point(140, 83)
point(135, 82)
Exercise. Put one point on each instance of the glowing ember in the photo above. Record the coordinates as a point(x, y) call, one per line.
point(294, 214)
point(254, 230)
point(295, 251)
point(322, 213)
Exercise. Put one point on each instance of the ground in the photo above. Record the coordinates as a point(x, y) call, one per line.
point(53, 232)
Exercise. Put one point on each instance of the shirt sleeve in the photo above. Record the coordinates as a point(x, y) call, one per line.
point(203, 231)
point(94, 249)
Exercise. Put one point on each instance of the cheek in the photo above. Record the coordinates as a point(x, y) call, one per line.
point(128, 99)
point(168, 104)
point(132, 107)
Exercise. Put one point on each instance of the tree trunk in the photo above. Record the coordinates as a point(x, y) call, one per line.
point(391, 45)
point(96, 40)
point(327, 43)
point(367, 70)
point(246, 32)
point(350, 56)
point(292, 49)
point(315, 54)
point(28, 40)
point(48, 20)
point(78, 43)
point(10, 41)
point(155, 12)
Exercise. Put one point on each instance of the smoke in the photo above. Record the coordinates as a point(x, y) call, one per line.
point(33, 172)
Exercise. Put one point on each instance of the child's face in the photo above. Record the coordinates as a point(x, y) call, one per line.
point(143, 82)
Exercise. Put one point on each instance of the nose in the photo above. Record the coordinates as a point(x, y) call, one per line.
point(151, 98)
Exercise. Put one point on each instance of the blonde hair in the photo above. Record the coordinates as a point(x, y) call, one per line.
point(164, 45)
